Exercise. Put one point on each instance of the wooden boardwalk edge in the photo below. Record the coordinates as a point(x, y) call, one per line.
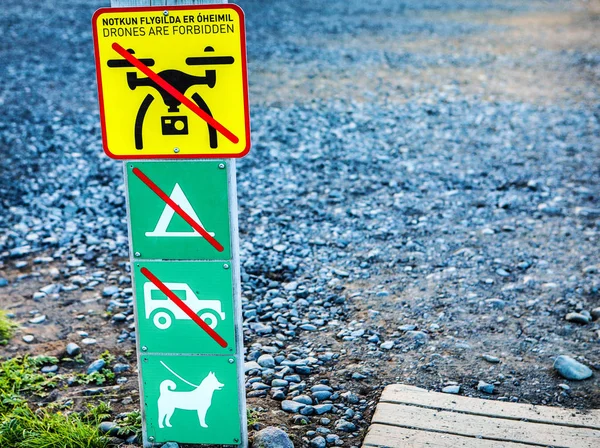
point(411, 395)
point(384, 436)
point(408, 416)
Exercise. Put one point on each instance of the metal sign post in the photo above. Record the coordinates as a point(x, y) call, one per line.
point(174, 103)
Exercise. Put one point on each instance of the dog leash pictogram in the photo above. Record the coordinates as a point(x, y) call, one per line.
point(182, 379)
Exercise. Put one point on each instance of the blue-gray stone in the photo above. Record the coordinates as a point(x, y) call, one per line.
point(570, 369)
point(307, 410)
point(322, 408)
point(110, 290)
point(73, 349)
point(266, 361)
point(345, 426)
point(109, 428)
point(451, 389)
point(170, 445)
point(318, 442)
point(119, 317)
point(3, 282)
point(271, 437)
point(419, 337)
point(300, 420)
point(94, 391)
point(322, 395)
point(120, 368)
point(49, 369)
point(259, 328)
point(303, 370)
point(278, 395)
point(291, 406)
point(578, 318)
point(491, 359)
point(96, 366)
point(484, 387)
point(305, 399)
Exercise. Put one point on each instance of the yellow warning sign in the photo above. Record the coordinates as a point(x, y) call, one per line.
point(172, 81)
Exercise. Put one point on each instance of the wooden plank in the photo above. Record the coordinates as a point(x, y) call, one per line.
point(486, 427)
point(399, 393)
point(393, 437)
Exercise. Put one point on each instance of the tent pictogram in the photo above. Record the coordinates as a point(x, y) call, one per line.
point(178, 197)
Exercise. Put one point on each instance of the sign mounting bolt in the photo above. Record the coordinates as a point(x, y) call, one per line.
point(231, 360)
point(151, 439)
point(165, 13)
point(221, 166)
point(137, 254)
point(144, 348)
point(225, 266)
point(175, 150)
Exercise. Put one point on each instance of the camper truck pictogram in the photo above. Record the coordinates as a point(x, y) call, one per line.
point(163, 311)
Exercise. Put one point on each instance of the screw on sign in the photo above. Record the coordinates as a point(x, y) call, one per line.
point(172, 84)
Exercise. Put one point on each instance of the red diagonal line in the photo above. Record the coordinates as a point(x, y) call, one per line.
point(161, 194)
point(186, 309)
point(174, 92)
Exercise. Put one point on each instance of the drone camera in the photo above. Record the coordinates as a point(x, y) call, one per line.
point(174, 125)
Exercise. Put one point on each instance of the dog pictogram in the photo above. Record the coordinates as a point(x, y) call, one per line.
point(199, 400)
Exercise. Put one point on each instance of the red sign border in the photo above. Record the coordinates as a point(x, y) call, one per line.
point(240, 12)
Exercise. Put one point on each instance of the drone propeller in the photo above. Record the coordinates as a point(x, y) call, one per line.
point(123, 63)
point(210, 60)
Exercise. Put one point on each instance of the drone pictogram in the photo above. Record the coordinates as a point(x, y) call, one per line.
point(172, 123)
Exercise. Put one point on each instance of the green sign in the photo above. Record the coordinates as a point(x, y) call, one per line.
point(199, 188)
point(191, 399)
point(204, 286)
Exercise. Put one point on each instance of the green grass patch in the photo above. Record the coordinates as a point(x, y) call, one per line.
point(23, 427)
point(7, 328)
point(131, 424)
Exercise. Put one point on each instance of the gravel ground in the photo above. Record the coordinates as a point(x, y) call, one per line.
point(421, 204)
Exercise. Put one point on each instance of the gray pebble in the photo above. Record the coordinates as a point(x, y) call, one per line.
point(38, 319)
point(266, 361)
point(271, 437)
point(96, 366)
point(451, 389)
point(120, 368)
point(291, 406)
point(108, 291)
point(578, 318)
point(345, 426)
point(109, 428)
point(571, 369)
point(318, 442)
point(484, 387)
point(491, 359)
point(73, 349)
point(323, 408)
point(303, 399)
point(387, 345)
